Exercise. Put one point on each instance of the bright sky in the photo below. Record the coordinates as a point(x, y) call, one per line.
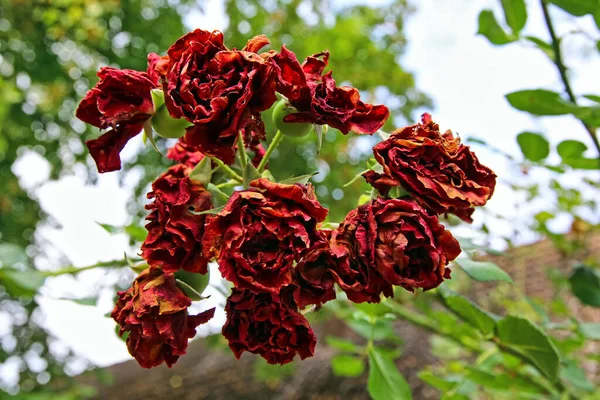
point(466, 77)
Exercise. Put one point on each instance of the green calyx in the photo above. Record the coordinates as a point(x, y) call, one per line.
point(163, 124)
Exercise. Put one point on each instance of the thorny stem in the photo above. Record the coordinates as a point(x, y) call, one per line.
point(274, 143)
point(226, 168)
point(242, 151)
point(558, 61)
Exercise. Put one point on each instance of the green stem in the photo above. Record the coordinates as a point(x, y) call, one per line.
point(227, 184)
point(242, 151)
point(227, 168)
point(74, 270)
point(562, 70)
point(274, 143)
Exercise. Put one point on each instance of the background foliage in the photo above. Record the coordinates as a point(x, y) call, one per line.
point(50, 52)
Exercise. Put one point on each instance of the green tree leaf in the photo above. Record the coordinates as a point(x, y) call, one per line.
point(578, 8)
point(590, 330)
point(534, 146)
point(571, 148)
point(342, 344)
point(468, 311)
point(585, 284)
point(515, 13)
point(575, 375)
point(250, 174)
point(385, 381)
point(21, 283)
point(522, 338)
point(540, 102)
point(489, 27)
point(347, 366)
point(11, 254)
point(483, 271)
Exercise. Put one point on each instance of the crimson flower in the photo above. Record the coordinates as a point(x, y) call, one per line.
point(319, 100)
point(438, 170)
point(154, 312)
point(269, 325)
point(174, 238)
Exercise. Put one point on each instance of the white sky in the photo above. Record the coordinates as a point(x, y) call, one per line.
point(466, 77)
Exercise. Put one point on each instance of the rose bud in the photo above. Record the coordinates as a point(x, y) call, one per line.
point(439, 171)
point(220, 91)
point(174, 238)
point(318, 100)
point(154, 312)
point(269, 325)
point(313, 281)
point(261, 232)
point(396, 241)
point(120, 103)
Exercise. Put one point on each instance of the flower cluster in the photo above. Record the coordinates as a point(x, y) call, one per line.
point(268, 238)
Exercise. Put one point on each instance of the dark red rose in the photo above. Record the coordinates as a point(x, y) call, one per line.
point(444, 175)
point(154, 312)
point(174, 238)
point(320, 101)
point(220, 91)
point(268, 325)
point(121, 103)
point(183, 153)
point(313, 281)
point(261, 232)
point(395, 241)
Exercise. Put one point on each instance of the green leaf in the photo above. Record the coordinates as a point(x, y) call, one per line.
point(575, 375)
point(158, 98)
point(542, 45)
point(483, 271)
point(136, 232)
point(347, 366)
point(385, 381)
point(515, 13)
point(489, 27)
point(578, 8)
point(319, 130)
point(597, 19)
point(589, 115)
point(189, 291)
point(468, 311)
point(342, 344)
point(435, 381)
point(571, 149)
point(585, 285)
point(522, 338)
point(11, 254)
point(202, 172)
point(21, 283)
point(250, 174)
point(533, 146)
point(149, 135)
point(302, 179)
point(540, 102)
point(592, 97)
point(196, 281)
point(590, 330)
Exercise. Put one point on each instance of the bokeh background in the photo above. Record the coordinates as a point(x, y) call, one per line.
point(414, 56)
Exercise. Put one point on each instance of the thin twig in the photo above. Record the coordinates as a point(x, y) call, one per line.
point(558, 61)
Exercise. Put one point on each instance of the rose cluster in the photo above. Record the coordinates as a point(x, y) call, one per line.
point(269, 238)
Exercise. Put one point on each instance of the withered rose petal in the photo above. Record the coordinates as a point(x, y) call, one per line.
point(184, 154)
point(269, 325)
point(313, 280)
point(439, 171)
point(120, 103)
point(398, 241)
point(220, 91)
point(154, 312)
point(319, 100)
point(261, 231)
point(174, 238)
